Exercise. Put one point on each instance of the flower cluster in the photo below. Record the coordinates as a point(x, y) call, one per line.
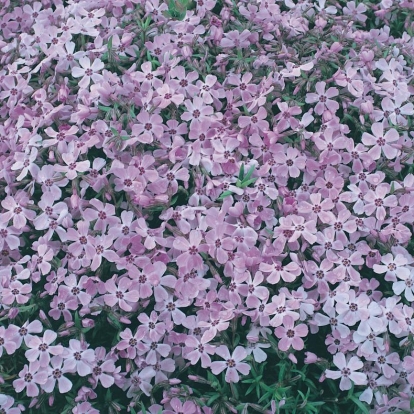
point(191, 188)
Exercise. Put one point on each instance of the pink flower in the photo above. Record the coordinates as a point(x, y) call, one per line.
point(25, 331)
point(255, 122)
point(347, 371)
point(6, 403)
point(219, 245)
point(347, 79)
point(291, 162)
point(232, 363)
point(16, 291)
point(394, 111)
point(62, 304)
point(166, 95)
point(130, 342)
point(188, 407)
point(56, 375)
point(88, 71)
point(102, 248)
point(236, 39)
point(384, 361)
point(84, 408)
point(355, 11)
point(150, 326)
point(73, 166)
point(353, 308)
point(256, 348)
point(199, 350)
point(380, 142)
point(44, 255)
point(17, 212)
point(291, 335)
point(377, 201)
point(120, 294)
point(30, 377)
point(7, 341)
point(198, 113)
point(150, 127)
point(331, 184)
point(393, 267)
point(9, 235)
point(40, 348)
point(288, 273)
point(323, 98)
point(192, 248)
point(140, 380)
point(77, 358)
point(103, 370)
point(81, 237)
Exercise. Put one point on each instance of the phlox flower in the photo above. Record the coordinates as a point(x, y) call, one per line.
point(56, 375)
point(199, 350)
point(77, 358)
point(385, 361)
point(16, 291)
point(179, 407)
point(30, 377)
point(290, 335)
point(393, 267)
point(353, 309)
point(347, 371)
point(139, 380)
point(120, 293)
point(323, 98)
point(16, 212)
point(84, 408)
point(7, 341)
point(191, 248)
point(232, 363)
point(355, 12)
point(6, 404)
point(88, 71)
point(236, 39)
point(41, 348)
point(24, 332)
point(380, 142)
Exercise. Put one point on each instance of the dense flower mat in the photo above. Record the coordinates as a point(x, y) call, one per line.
point(206, 206)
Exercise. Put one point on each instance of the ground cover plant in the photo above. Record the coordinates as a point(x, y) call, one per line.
point(206, 206)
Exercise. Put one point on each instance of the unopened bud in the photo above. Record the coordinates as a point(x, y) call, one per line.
point(293, 358)
point(13, 312)
point(310, 358)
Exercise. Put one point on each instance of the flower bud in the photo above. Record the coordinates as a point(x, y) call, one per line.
point(310, 358)
point(13, 312)
point(88, 323)
point(293, 358)
point(125, 320)
point(63, 93)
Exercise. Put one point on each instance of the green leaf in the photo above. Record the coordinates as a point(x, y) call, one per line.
point(360, 405)
point(225, 194)
point(241, 173)
point(110, 43)
point(249, 173)
point(104, 108)
point(245, 184)
point(213, 398)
